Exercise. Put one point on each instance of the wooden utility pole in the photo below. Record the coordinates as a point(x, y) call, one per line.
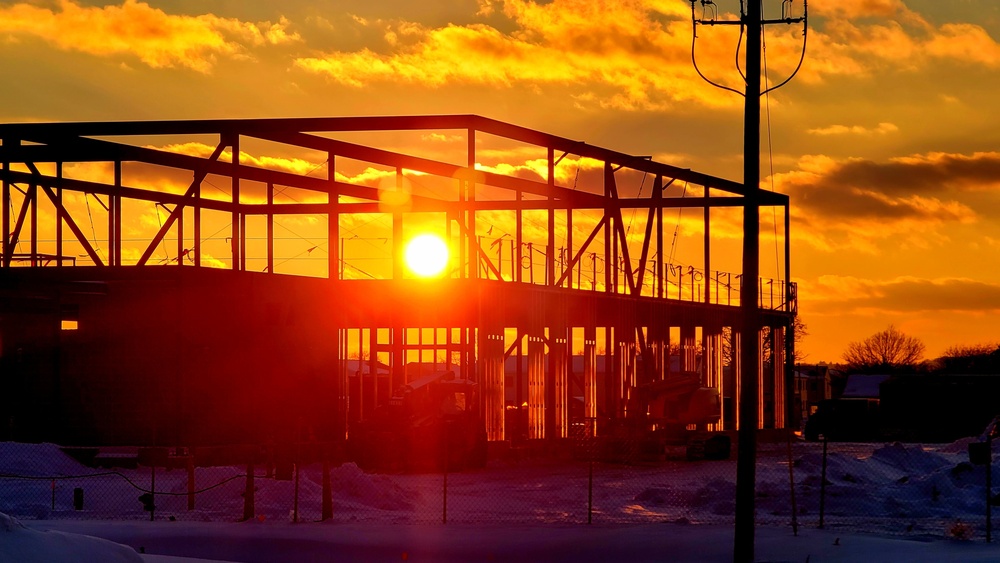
point(753, 23)
point(746, 445)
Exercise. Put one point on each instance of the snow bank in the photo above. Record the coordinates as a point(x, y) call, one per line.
point(18, 543)
point(38, 460)
point(351, 484)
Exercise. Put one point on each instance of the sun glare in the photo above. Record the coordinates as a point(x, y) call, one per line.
point(427, 255)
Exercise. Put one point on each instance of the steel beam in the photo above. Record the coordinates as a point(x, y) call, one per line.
point(186, 200)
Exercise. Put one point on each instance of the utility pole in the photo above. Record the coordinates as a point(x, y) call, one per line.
point(746, 438)
point(752, 23)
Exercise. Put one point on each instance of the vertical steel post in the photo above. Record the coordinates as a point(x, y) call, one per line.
point(569, 245)
point(660, 285)
point(197, 224)
point(33, 196)
point(550, 246)
point(180, 237)
point(237, 234)
point(112, 244)
point(59, 214)
point(470, 187)
point(373, 367)
point(708, 248)
point(270, 229)
point(7, 251)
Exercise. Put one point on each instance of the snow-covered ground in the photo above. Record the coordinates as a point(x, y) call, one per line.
point(253, 542)
point(920, 500)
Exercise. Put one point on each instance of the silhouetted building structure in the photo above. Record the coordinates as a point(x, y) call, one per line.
point(104, 342)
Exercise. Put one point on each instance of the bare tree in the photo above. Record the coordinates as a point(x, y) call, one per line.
point(888, 351)
point(974, 358)
point(800, 332)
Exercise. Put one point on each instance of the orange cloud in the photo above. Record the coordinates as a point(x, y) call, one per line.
point(857, 9)
point(291, 165)
point(158, 39)
point(635, 55)
point(965, 42)
point(880, 129)
point(537, 169)
point(629, 55)
point(903, 294)
point(845, 46)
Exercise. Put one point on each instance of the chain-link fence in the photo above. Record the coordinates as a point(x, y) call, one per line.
point(885, 488)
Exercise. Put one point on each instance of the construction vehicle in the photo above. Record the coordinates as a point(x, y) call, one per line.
point(670, 418)
point(432, 423)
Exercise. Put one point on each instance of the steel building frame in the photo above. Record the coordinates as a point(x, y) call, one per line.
point(473, 311)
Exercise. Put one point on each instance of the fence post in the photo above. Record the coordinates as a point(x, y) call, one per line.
point(152, 492)
point(444, 494)
point(53, 494)
point(190, 483)
point(822, 486)
point(791, 486)
point(590, 491)
point(989, 486)
point(295, 501)
point(327, 493)
point(248, 494)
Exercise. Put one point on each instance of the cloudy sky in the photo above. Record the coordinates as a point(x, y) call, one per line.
point(887, 141)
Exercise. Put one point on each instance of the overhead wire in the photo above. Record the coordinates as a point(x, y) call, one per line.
point(93, 230)
point(677, 227)
point(770, 150)
point(739, 43)
point(159, 221)
point(10, 202)
point(805, 39)
point(694, 58)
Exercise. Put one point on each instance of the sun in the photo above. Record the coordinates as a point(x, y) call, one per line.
point(426, 255)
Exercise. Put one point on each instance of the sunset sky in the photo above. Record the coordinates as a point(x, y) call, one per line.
point(887, 141)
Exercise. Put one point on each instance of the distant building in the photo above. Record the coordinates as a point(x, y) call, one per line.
point(863, 386)
point(812, 385)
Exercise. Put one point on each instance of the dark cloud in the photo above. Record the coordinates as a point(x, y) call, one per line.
point(935, 187)
point(932, 175)
point(915, 295)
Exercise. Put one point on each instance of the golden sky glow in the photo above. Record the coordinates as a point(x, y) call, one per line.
point(888, 141)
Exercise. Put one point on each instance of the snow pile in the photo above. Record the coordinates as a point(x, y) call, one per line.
point(352, 485)
point(24, 545)
point(37, 460)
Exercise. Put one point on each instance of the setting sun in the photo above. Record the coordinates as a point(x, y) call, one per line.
point(427, 255)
